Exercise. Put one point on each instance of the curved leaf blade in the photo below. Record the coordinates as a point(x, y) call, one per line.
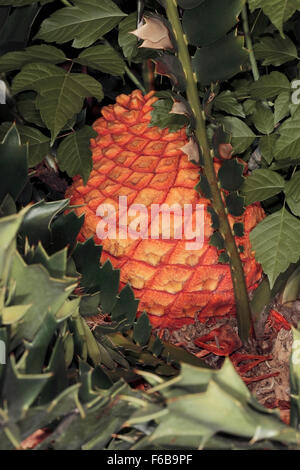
point(203, 26)
point(84, 23)
point(42, 53)
point(103, 58)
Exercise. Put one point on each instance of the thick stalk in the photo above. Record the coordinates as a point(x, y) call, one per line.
point(237, 273)
point(249, 44)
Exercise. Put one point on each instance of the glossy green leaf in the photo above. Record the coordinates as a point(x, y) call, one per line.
point(203, 27)
point(9, 227)
point(142, 330)
point(16, 29)
point(33, 360)
point(37, 221)
point(64, 231)
point(21, 390)
point(87, 260)
point(109, 286)
point(55, 264)
point(126, 306)
point(30, 282)
point(13, 164)
point(220, 60)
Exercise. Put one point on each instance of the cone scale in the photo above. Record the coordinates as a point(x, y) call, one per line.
point(146, 164)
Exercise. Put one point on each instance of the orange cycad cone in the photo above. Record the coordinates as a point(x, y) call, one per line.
point(147, 165)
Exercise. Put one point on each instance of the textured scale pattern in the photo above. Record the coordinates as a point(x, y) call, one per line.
point(147, 165)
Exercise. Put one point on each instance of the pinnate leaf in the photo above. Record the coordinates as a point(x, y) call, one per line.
point(242, 135)
point(263, 119)
point(227, 102)
point(292, 187)
point(84, 23)
point(269, 86)
point(103, 58)
point(275, 50)
point(162, 117)
point(128, 42)
point(60, 94)
point(276, 243)
point(281, 106)
point(292, 192)
point(267, 145)
point(288, 144)
point(42, 53)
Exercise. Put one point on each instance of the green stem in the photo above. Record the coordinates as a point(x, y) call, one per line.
point(237, 273)
point(249, 44)
point(134, 79)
